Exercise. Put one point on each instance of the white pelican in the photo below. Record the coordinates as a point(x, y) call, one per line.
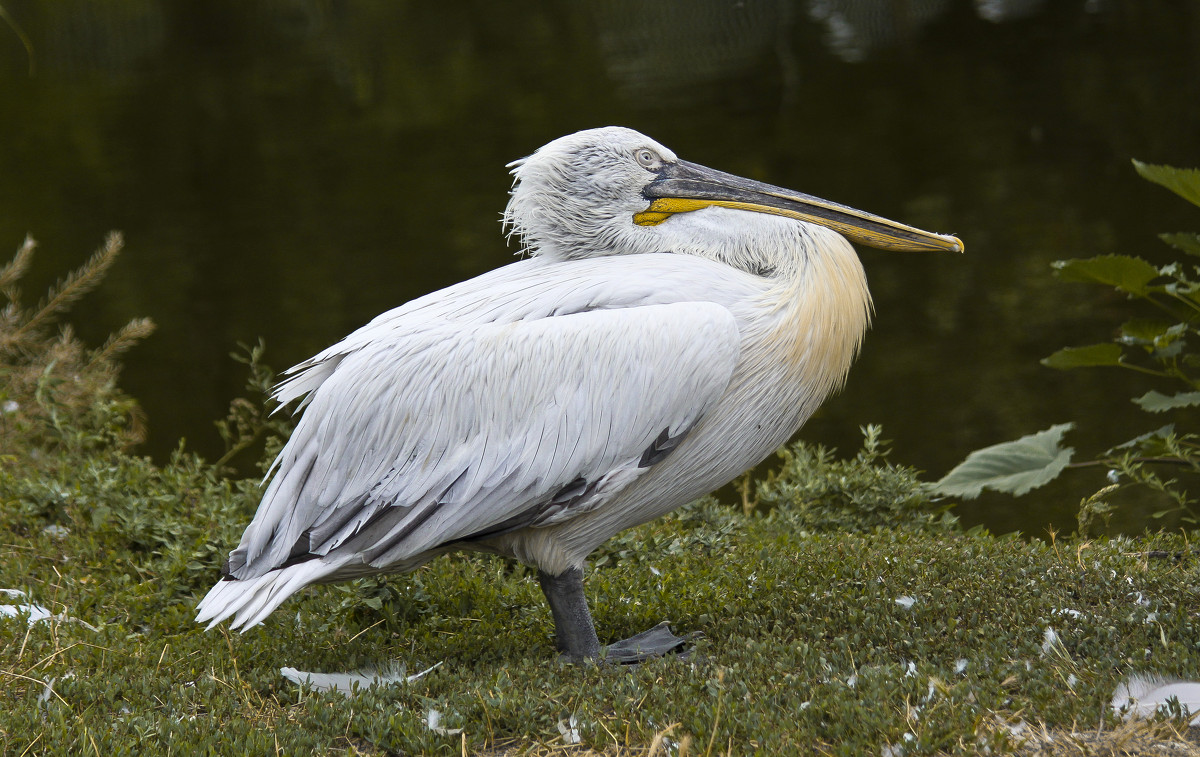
point(672, 326)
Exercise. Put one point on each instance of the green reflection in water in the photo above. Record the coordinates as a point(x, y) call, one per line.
point(291, 169)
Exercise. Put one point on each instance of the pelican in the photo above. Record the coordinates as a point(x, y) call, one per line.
point(670, 327)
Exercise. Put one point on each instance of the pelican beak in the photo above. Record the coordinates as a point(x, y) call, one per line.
point(682, 187)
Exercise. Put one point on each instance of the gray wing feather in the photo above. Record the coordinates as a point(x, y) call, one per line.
point(428, 430)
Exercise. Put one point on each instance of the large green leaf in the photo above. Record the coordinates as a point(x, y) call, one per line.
point(1188, 241)
point(1121, 271)
point(1012, 467)
point(1155, 402)
point(1184, 182)
point(1084, 357)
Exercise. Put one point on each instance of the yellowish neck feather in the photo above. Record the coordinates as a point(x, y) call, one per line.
point(827, 311)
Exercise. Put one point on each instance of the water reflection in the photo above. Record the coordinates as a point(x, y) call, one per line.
point(291, 169)
point(853, 30)
point(662, 53)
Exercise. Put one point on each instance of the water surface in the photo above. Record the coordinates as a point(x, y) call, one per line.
point(288, 170)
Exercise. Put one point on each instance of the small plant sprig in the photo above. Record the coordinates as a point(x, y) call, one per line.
point(815, 488)
point(1162, 345)
point(253, 419)
point(51, 385)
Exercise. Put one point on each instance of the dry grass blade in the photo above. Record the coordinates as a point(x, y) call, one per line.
point(660, 740)
point(1134, 737)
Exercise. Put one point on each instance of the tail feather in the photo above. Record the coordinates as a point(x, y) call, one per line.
point(249, 601)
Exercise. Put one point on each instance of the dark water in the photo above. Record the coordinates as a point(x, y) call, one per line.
point(289, 169)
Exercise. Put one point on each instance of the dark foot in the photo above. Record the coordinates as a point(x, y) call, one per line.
point(656, 642)
point(575, 636)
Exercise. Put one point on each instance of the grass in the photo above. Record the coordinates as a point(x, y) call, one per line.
point(805, 649)
point(894, 633)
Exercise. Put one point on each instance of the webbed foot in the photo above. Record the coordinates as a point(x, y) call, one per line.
point(655, 642)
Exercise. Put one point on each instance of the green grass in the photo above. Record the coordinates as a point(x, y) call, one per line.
point(789, 616)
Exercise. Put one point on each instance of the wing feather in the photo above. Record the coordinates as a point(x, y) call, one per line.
point(427, 430)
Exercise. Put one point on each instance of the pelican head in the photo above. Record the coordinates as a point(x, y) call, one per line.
point(614, 191)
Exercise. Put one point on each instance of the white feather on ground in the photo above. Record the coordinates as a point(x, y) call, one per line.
point(1051, 642)
point(433, 720)
point(48, 689)
point(347, 682)
point(569, 730)
point(1143, 695)
point(35, 612)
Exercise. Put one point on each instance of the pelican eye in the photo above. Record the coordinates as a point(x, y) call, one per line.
point(647, 158)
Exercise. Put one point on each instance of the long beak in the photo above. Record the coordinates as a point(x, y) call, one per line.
point(683, 187)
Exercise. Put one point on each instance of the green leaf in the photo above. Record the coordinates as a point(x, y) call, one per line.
point(1084, 357)
point(1187, 241)
point(1012, 467)
point(1155, 402)
point(1142, 331)
point(100, 515)
point(1157, 435)
point(1121, 271)
point(1184, 182)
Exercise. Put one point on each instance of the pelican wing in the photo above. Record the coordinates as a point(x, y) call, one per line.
point(431, 431)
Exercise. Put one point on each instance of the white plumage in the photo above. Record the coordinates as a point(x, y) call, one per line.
point(1141, 696)
point(645, 354)
point(347, 683)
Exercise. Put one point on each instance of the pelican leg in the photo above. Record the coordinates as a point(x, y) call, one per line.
point(575, 634)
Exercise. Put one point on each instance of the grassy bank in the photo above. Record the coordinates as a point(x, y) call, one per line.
point(844, 643)
point(845, 615)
